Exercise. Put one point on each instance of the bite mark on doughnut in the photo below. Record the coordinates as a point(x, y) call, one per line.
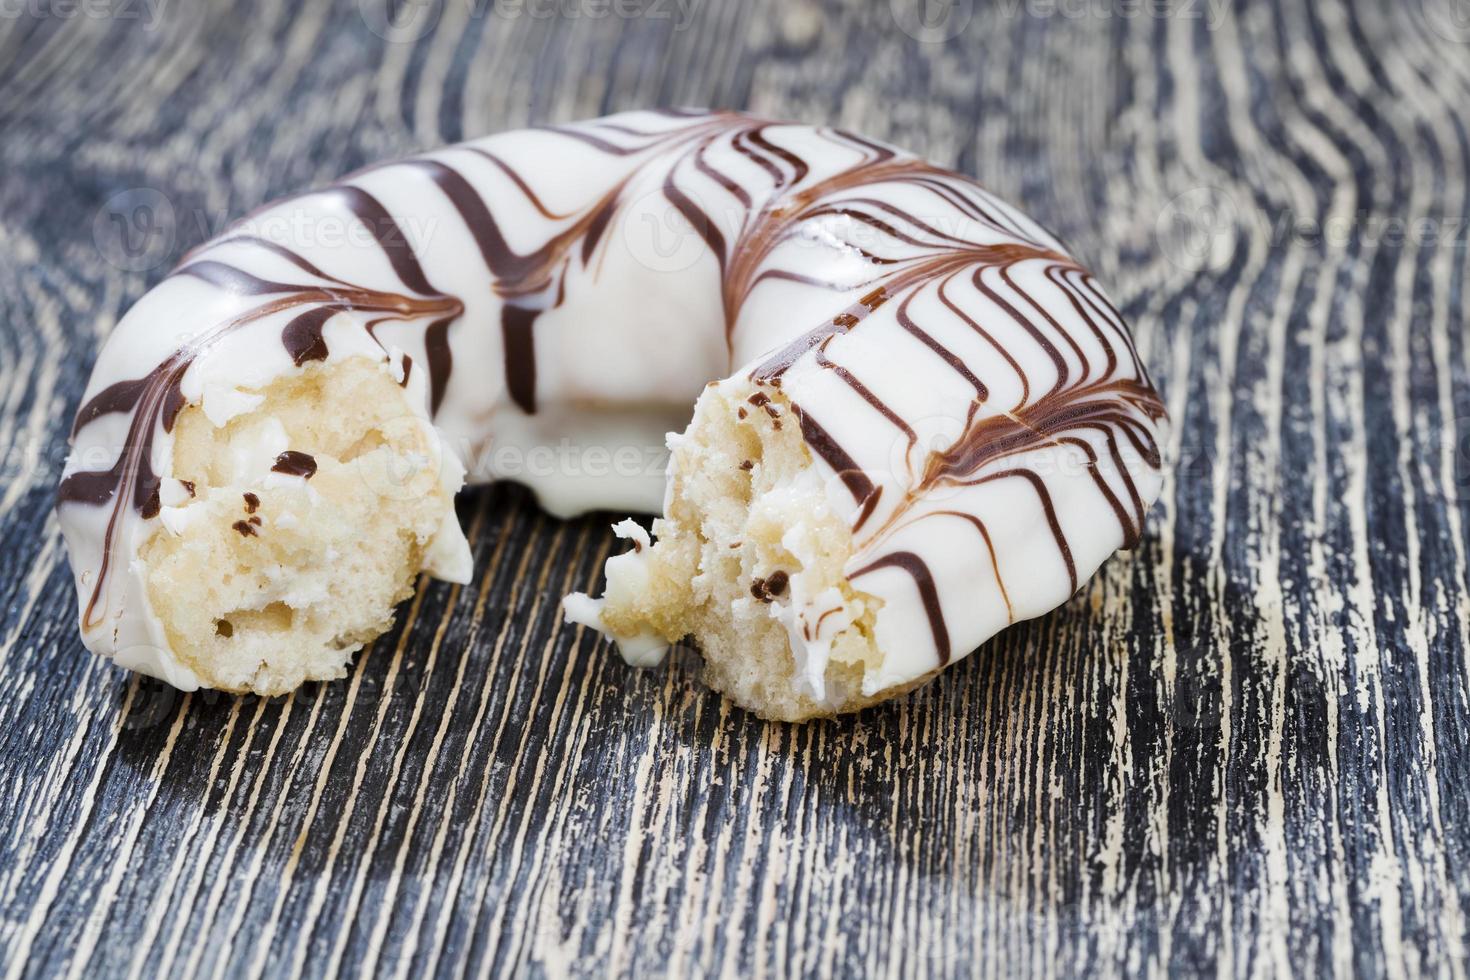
point(748, 562)
point(287, 594)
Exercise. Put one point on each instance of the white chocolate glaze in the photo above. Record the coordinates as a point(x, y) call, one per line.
point(555, 299)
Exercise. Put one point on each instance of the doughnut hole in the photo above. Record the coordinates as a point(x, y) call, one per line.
point(747, 559)
point(265, 579)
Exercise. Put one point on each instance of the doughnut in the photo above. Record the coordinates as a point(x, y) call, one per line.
point(882, 413)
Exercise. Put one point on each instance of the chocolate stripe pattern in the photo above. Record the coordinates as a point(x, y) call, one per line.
point(946, 360)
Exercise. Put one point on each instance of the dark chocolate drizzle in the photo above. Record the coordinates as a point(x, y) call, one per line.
point(918, 569)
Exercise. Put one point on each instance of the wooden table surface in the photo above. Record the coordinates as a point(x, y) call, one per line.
point(1242, 749)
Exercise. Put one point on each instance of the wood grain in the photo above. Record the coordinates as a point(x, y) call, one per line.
point(1241, 750)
